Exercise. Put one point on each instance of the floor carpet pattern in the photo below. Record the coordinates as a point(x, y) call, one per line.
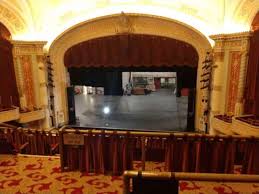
point(41, 174)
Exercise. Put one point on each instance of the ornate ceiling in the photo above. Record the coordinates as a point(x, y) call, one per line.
point(46, 19)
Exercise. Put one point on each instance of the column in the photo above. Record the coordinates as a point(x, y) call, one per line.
point(239, 107)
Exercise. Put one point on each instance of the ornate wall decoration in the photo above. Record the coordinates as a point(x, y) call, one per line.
point(227, 44)
point(28, 81)
point(234, 65)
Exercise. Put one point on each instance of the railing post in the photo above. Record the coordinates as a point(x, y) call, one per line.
point(61, 148)
point(143, 153)
point(126, 184)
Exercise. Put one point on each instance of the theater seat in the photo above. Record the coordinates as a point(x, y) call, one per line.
point(153, 186)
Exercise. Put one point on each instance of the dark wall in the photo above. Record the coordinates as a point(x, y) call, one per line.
point(8, 87)
point(113, 83)
point(252, 80)
point(71, 105)
point(111, 80)
point(186, 78)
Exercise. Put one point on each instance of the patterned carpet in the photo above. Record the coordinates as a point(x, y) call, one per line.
point(30, 174)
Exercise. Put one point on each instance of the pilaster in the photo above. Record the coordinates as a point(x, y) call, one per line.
point(31, 79)
point(230, 58)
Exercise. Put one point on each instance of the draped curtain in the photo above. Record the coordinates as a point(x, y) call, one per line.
point(252, 80)
point(250, 163)
point(108, 153)
point(189, 154)
point(131, 51)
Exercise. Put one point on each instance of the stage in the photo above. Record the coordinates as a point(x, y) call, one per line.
point(160, 110)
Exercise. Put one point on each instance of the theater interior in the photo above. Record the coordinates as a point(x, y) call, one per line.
point(129, 96)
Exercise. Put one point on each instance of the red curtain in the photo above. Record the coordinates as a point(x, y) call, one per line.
point(155, 149)
point(251, 157)
point(8, 89)
point(108, 153)
point(252, 78)
point(179, 155)
point(94, 153)
point(118, 154)
point(131, 51)
point(199, 154)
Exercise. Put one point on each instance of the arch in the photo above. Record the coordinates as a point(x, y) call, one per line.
point(255, 22)
point(246, 12)
point(117, 24)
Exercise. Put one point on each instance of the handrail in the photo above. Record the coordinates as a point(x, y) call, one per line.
point(215, 177)
point(86, 130)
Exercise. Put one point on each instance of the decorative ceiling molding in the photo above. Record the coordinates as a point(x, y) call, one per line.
point(13, 22)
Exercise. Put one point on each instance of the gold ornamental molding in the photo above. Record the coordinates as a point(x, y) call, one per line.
point(13, 22)
point(28, 47)
point(232, 36)
point(234, 40)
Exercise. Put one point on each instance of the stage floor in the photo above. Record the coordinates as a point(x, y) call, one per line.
point(160, 110)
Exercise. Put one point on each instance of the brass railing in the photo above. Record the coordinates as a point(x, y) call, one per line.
point(182, 176)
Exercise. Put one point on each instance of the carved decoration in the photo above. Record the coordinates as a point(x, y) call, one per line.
point(235, 62)
point(28, 48)
point(124, 24)
point(235, 40)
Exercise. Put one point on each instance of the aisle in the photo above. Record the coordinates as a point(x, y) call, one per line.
point(41, 174)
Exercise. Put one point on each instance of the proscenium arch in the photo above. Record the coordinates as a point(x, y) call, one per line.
point(108, 26)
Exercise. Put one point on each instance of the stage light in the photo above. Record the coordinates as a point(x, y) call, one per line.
point(106, 110)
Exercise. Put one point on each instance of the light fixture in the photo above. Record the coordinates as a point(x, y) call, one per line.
point(106, 110)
